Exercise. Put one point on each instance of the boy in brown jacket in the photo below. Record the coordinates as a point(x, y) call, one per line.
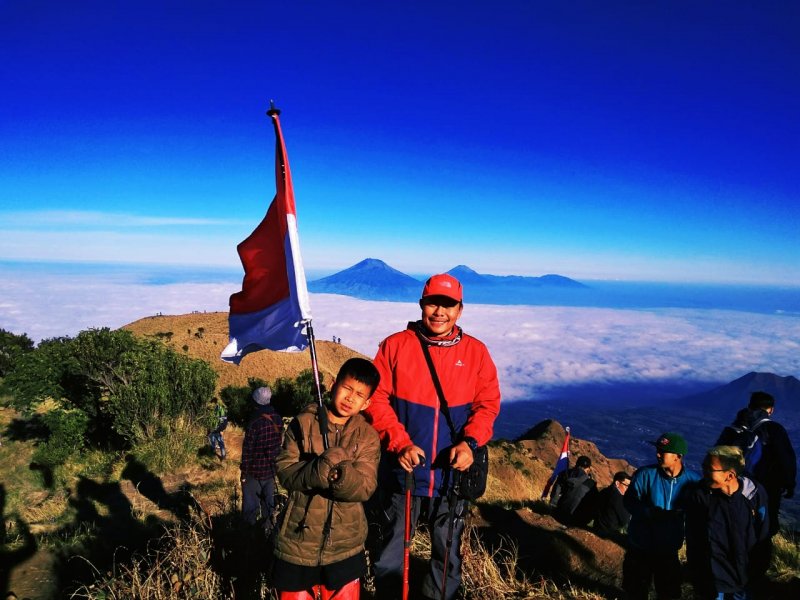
point(320, 546)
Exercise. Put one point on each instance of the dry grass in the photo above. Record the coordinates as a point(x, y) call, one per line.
point(204, 335)
point(178, 568)
point(785, 557)
point(496, 575)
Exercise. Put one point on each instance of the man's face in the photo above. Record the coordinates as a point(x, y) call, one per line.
point(714, 474)
point(439, 314)
point(668, 460)
point(622, 486)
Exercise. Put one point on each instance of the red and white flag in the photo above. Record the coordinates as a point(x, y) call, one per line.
point(562, 464)
point(272, 309)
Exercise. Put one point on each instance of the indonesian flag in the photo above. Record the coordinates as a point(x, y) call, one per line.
point(562, 464)
point(272, 309)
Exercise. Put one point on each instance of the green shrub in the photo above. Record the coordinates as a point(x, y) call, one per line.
point(238, 401)
point(290, 396)
point(39, 374)
point(169, 445)
point(67, 437)
point(161, 385)
point(123, 384)
point(12, 347)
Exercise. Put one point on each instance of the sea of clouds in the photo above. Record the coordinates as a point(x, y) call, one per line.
point(535, 348)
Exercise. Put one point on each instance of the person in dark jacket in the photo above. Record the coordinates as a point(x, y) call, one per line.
point(611, 518)
point(777, 468)
point(727, 528)
point(262, 442)
point(574, 494)
point(656, 529)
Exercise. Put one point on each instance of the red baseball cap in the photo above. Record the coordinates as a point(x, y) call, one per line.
point(443, 285)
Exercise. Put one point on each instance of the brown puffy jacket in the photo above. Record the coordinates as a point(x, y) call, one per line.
point(324, 522)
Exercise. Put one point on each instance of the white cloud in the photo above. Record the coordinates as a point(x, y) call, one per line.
point(535, 348)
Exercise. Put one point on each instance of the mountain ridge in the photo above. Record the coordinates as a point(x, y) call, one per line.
point(373, 279)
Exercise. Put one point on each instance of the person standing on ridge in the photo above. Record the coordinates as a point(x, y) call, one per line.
point(405, 411)
point(262, 442)
point(776, 466)
point(656, 529)
point(727, 529)
point(216, 438)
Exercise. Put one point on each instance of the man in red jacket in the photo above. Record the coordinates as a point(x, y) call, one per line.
point(405, 411)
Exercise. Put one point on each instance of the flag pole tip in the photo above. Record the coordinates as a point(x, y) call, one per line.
point(272, 110)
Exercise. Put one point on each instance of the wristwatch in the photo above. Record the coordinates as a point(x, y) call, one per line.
point(471, 442)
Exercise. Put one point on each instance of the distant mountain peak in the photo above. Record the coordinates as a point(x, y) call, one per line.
point(373, 279)
point(736, 394)
point(465, 274)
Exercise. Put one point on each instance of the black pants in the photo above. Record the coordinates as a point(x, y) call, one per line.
point(389, 565)
point(641, 568)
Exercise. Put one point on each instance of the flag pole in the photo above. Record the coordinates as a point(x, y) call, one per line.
point(323, 412)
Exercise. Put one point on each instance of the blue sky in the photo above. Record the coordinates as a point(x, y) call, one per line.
point(598, 140)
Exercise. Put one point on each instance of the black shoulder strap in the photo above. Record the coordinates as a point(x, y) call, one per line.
point(445, 408)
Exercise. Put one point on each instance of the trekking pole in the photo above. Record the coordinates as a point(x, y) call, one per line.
point(407, 533)
point(452, 500)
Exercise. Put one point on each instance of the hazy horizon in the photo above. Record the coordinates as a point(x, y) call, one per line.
point(537, 348)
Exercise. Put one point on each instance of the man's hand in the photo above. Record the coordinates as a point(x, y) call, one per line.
point(411, 456)
point(461, 456)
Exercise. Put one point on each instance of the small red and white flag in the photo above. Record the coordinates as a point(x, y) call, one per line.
point(562, 464)
point(272, 309)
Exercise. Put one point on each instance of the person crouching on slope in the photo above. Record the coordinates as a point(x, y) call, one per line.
point(319, 549)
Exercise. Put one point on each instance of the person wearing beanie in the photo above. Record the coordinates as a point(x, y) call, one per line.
point(260, 448)
point(656, 529)
point(417, 438)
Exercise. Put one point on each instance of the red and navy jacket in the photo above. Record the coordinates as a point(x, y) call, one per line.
point(405, 406)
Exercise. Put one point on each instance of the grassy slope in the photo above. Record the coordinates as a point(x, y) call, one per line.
point(206, 334)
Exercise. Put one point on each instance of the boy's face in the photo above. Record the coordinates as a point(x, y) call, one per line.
point(350, 397)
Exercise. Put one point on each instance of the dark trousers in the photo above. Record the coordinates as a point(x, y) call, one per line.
point(215, 440)
point(258, 500)
point(389, 565)
point(641, 568)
